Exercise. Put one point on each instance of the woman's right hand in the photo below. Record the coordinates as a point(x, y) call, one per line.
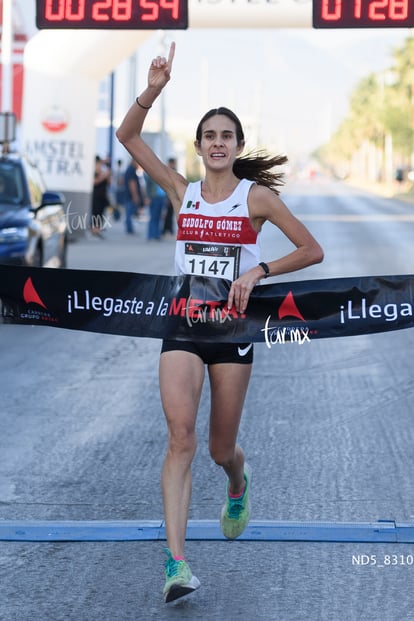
point(160, 70)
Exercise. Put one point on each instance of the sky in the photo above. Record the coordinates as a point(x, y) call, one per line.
point(290, 87)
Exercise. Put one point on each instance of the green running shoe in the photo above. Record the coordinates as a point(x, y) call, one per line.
point(179, 580)
point(236, 512)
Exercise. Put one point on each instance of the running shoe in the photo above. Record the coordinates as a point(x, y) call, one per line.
point(179, 580)
point(236, 511)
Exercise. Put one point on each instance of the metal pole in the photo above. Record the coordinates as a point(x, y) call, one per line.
point(6, 53)
point(111, 118)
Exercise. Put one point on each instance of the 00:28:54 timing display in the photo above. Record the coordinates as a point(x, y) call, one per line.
point(112, 14)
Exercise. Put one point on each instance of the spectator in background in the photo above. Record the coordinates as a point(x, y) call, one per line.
point(157, 198)
point(119, 190)
point(168, 228)
point(100, 200)
point(134, 196)
point(143, 186)
point(399, 175)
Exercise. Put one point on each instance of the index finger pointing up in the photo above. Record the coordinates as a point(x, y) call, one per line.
point(171, 55)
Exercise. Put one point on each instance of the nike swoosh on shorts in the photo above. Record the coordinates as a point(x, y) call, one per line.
point(244, 350)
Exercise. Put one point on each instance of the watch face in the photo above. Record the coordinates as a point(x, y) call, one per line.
point(363, 13)
point(112, 14)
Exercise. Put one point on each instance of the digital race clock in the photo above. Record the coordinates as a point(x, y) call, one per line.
point(112, 14)
point(363, 13)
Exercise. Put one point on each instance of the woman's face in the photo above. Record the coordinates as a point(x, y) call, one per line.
point(218, 146)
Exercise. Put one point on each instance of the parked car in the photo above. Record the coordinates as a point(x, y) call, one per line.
point(33, 227)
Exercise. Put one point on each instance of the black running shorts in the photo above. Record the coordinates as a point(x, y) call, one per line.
point(213, 353)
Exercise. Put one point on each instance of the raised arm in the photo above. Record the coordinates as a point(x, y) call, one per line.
point(129, 132)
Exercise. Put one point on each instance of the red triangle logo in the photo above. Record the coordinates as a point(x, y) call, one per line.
point(288, 308)
point(30, 294)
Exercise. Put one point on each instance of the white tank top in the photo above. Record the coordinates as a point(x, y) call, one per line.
point(216, 239)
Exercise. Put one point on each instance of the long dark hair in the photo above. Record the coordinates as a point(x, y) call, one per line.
point(256, 165)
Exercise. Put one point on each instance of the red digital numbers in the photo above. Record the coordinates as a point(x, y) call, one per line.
point(331, 10)
point(363, 13)
point(119, 10)
point(133, 14)
point(57, 10)
point(397, 9)
point(154, 8)
point(377, 9)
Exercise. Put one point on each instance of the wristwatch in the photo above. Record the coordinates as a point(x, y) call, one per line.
point(265, 268)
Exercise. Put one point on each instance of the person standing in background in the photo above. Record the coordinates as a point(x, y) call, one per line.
point(100, 200)
point(119, 190)
point(157, 198)
point(134, 197)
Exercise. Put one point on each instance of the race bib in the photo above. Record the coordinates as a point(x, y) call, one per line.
point(216, 261)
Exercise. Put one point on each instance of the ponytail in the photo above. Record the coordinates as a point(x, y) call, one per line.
point(257, 166)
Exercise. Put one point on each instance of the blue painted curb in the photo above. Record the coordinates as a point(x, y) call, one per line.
point(383, 531)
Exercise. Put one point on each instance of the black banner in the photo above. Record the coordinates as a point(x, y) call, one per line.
point(195, 308)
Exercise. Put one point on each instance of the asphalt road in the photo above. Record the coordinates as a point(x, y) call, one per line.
point(327, 428)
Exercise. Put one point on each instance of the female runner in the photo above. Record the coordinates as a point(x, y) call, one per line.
point(237, 193)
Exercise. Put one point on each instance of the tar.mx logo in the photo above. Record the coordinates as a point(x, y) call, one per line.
point(275, 335)
point(82, 222)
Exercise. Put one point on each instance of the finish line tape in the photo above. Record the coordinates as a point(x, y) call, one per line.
point(194, 308)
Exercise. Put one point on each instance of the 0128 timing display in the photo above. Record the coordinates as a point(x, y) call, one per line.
point(112, 14)
point(363, 13)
